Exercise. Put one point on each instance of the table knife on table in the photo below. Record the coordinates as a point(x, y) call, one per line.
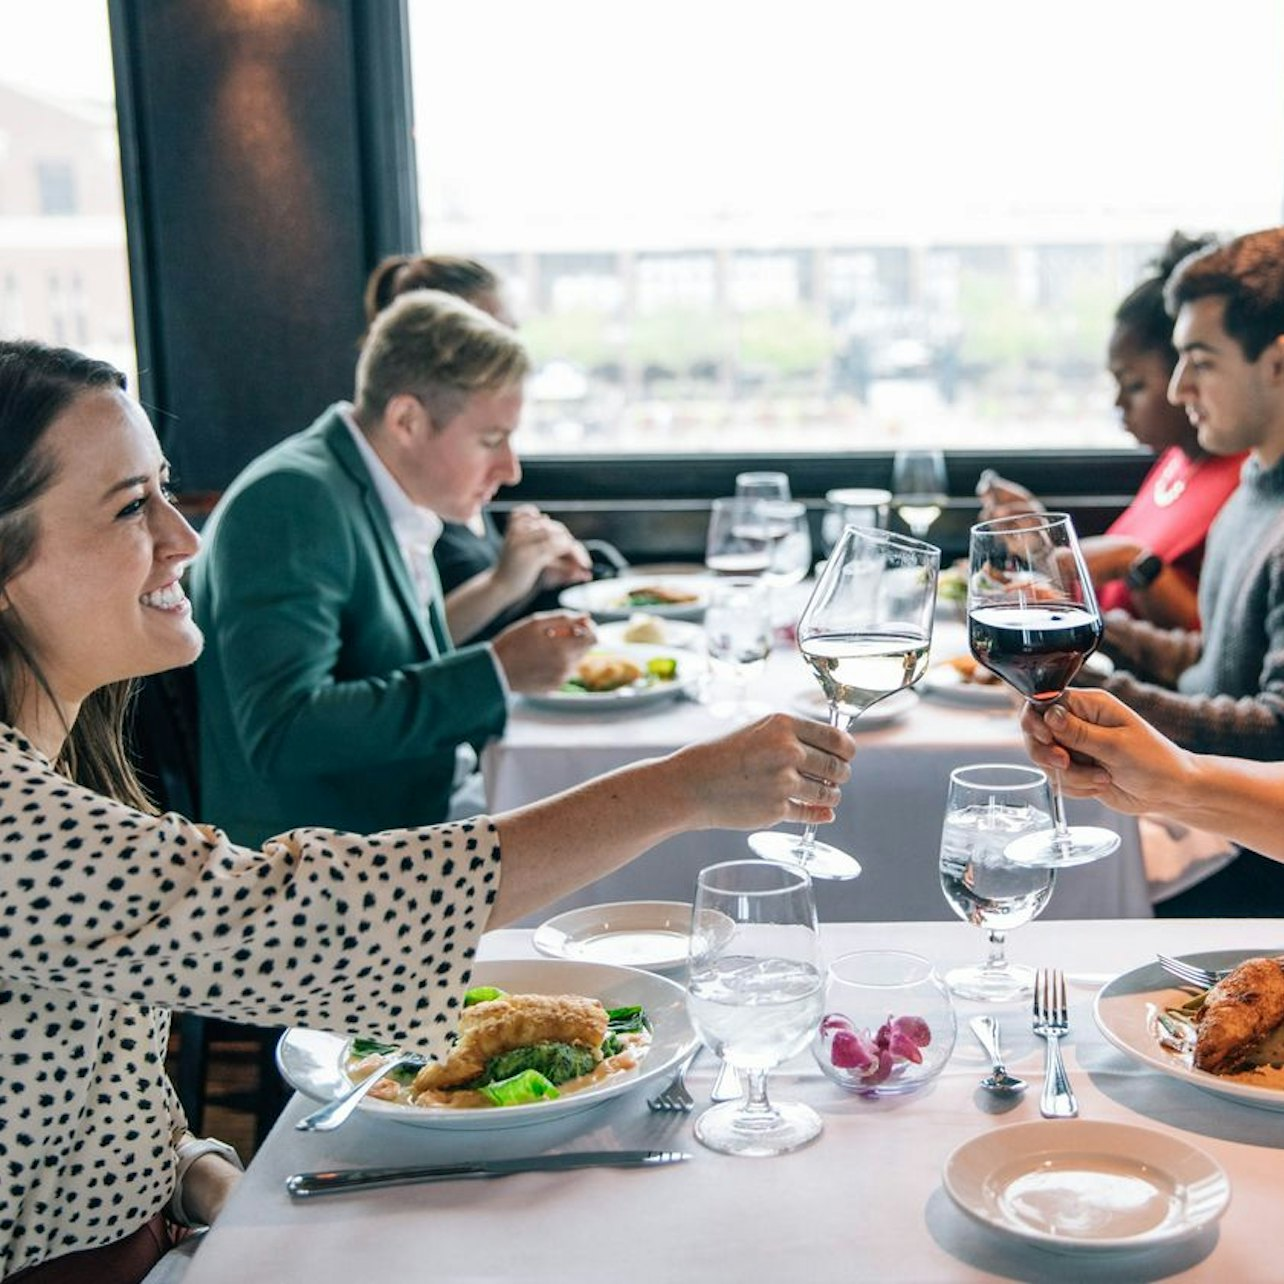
point(306, 1185)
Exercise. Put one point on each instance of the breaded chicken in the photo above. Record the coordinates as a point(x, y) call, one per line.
point(515, 1021)
point(1238, 1014)
point(607, 672)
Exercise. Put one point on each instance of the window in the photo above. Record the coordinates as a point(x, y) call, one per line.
point(835, 226)
point(64, 274)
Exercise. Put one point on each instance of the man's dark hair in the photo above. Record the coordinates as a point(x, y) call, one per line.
point(1248, 273)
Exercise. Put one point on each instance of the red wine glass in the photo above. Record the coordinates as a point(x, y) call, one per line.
point(1033, 620)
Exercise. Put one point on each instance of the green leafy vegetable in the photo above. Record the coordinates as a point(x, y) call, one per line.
point(556, 1062)
point(630, 1020)
point(371, 1048)
point(482, 994)
point(520, 1090)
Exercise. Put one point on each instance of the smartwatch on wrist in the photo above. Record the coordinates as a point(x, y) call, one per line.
point(1144, 571)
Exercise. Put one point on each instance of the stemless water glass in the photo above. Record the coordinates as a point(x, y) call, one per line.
point(738, 542)
point(737, 630)
point(865, 632)
point(755, 994)
point(763, 485)
point(1033, 619)
point(920, 487)
point(989, 807)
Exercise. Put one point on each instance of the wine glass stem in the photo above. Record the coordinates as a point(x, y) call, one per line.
point(1060, 830)
point(997, 960)
point(755, 1102)
point(807, 843)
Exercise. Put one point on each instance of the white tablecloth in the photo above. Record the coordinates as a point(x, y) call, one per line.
point(863, 1202)
point(890, 817)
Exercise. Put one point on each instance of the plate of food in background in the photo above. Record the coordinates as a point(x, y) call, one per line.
point(617, 1027)
point(611, 679)
point(963, 680)
point(672, 597)
point(651, 630)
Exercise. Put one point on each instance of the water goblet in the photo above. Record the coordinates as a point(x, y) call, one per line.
point(763, 485)
point(737, 630)
point(755, 994)
point(865, 632)
point(789, 533)
point(989, 807)
point(737, 542)
point(920, 487)
point(1033, 619)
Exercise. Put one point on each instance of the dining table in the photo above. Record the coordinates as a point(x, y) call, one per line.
point(865, 1200)
point(891, 811)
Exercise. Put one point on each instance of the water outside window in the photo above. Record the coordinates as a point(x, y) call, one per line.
point(835, 226)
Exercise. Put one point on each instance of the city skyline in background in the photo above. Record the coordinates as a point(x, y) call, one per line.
point(860, 227)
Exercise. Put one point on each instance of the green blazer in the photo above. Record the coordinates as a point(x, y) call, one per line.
point(328, 695)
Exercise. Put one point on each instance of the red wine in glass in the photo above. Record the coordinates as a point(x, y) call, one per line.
point(1037, 649)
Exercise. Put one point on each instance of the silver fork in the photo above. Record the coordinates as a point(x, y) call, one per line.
point(675, 1098)
point(1052, 1024)
point(1201, 977)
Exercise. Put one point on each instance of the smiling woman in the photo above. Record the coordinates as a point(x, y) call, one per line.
point(113, 914)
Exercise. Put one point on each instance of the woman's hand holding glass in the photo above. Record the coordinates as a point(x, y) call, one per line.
point(865, 632)
point(755, 994)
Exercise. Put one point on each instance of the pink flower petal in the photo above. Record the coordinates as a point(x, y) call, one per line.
point(849, 1052)
point(914, 1027)
point(904, 1047)
point(832, 1022)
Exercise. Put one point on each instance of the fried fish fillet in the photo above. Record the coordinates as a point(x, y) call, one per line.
point(1238, 1014)
point(515, 1021)
point(607, 672)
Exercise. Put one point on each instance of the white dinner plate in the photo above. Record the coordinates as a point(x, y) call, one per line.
point(1074, 1186)
point(811, 703)
point(679, 633)
point(609, 599)
point(647, 691)
point(1125, 1010)
point(312, 1060)
point(646, 934)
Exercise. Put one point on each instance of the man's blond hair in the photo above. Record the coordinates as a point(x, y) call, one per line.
point(438, 348)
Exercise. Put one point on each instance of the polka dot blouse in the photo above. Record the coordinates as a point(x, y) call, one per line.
point(109, 918)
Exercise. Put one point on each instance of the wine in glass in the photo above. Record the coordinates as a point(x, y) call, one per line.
point(737, 541)
point(920, 487)
point(755, 995)
point(865, 632)
point(988, 808)
point(1033, 620)
point(737, 630)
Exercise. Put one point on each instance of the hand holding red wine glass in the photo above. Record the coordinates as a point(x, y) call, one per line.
point(1033, 620)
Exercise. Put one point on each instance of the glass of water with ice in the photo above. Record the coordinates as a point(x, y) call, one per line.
point(755, 995)
point(989, 807)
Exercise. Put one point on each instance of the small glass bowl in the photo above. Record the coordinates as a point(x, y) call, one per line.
point(884, 1009)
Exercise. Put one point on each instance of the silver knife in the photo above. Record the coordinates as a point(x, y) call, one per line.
point(306, 1185)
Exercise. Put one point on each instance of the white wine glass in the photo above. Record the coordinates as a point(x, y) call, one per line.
point(737, 542)
point(763, 485)
point(737, 630)
point(755, 995)
point(988, 807)
point(865, 632)
point(789, 535)
point(920, 488)
point(1033, 619)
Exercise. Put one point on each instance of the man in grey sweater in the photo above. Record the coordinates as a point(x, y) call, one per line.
point(1221, 690)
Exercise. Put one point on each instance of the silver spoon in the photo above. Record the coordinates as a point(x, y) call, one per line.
point(986, 1030)
point(333, 1113)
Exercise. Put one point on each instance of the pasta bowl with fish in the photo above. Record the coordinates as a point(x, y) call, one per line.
point(1227, 1041)
point(601, 1030)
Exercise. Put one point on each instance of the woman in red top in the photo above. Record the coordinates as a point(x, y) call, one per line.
point(1147, 563)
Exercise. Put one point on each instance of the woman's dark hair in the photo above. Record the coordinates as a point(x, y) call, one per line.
point(1248, 273)
point(37, 385)
point(401, 273)
point(1143, 313)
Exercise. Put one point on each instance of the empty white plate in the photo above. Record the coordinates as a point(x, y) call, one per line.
point(1074, 1186)
point(647, 934)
